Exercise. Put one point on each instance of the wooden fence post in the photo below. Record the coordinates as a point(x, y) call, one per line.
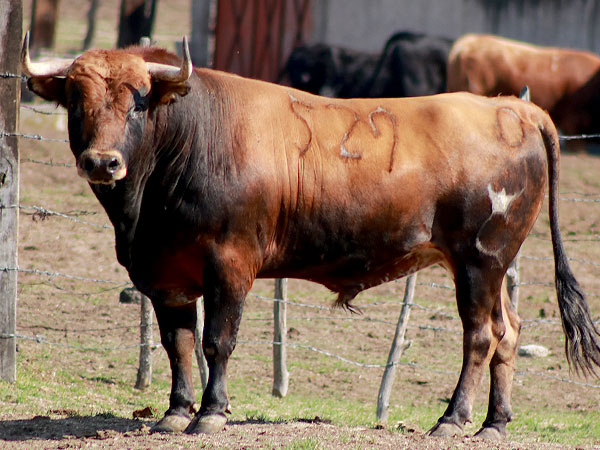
point(398, 347)
point(202, 38)
point(11, 15)
point(200, 359)
point(280, 374)
point(144, 375)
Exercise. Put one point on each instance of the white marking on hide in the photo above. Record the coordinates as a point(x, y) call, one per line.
point(343, 150)
point(500, 200)
point(371, 114)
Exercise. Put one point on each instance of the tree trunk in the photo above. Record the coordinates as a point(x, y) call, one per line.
point(43, 25)
point(135, 21)
point(91, 24)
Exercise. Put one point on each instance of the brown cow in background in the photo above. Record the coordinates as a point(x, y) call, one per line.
point(490, 65)
point(579, 112)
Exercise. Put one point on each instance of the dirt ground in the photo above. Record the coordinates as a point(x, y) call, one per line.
point(73, 433)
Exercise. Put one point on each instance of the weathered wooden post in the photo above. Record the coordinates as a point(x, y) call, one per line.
point(280, 374)
point(398, 347)
point(11, 14)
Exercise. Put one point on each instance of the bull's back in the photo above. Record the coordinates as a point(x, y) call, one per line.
point(365, 180)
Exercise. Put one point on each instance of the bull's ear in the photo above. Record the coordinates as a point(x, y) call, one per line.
point(166, 92)
point(49, 88)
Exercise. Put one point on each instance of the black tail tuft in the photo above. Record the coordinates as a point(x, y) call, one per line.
point(582, 344)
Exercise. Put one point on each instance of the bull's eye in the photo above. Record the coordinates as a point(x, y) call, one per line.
point(136, 111)
point(138, 106)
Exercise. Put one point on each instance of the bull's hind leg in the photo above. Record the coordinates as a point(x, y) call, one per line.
point(177, 326)
point(478, 299)
point(502, 368)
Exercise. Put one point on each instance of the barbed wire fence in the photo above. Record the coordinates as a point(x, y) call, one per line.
point(279, 301)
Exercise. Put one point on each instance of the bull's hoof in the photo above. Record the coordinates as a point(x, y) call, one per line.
point(445, 429)
point(171, 424)
point(208, 424)
point(490, 433)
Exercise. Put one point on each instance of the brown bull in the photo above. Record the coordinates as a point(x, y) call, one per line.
point(490, 65)
point(579, 112)
point(212, 180)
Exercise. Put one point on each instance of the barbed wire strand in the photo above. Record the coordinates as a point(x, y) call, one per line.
point(43, 212)
point(57, 112)
point(36, 137)
point(52, 275)
point(47, 163)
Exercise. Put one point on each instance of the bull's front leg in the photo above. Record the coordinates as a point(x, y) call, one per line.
point(224, 294)
point(177, 326)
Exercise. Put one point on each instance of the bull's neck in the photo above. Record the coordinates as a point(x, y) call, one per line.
point(194, 150)
point(182, 151)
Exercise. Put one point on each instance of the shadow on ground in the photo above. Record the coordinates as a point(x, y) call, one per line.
point(46, 428)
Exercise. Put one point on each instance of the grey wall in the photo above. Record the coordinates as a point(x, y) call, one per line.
point(366, 24)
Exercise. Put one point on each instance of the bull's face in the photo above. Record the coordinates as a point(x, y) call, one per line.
point(108, 95)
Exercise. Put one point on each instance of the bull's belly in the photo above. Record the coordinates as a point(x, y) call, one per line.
point(351, 275)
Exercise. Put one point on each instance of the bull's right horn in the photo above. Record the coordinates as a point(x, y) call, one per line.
point(51, 68)
point(173, 74)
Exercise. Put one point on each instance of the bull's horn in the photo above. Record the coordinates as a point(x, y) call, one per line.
point(166, 72)
point(50, 68)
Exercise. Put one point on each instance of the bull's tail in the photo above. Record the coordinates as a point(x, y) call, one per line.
point(582, 344)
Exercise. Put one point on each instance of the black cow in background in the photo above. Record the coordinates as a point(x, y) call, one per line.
point(410, 65)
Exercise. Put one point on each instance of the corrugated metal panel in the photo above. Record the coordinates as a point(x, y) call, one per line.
point(255, 37)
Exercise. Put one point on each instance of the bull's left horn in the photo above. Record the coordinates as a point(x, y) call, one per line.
point(174, 74)
point(51, 68)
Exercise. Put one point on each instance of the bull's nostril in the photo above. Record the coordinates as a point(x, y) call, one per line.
point(88, 165)
point(113, 165)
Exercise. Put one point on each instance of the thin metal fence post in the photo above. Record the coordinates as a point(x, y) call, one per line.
point(144, 375)
point(200, 359)
point(280, 372)
point(398, 347)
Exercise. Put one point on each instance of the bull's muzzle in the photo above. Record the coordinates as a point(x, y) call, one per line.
point(101, 166)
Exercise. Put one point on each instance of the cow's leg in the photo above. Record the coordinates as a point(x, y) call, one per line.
point(224, 292)
point(478, 298)
point(502, 368)
point(177, 326)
